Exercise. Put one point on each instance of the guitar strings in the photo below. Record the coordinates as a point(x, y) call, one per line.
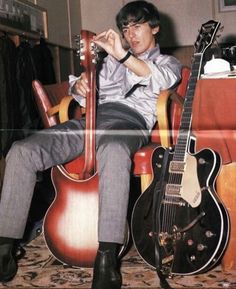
point(172, 198)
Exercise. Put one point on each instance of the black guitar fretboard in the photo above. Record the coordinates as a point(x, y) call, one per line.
point(186, 120)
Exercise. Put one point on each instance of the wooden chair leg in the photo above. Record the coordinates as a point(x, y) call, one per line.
point(226, 188)
point(145, 181)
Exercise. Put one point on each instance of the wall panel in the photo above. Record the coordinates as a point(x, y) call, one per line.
point(58, 28)
point(98, 16)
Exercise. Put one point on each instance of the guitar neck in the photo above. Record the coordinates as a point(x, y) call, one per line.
point(204, 40)
point(88, 58)
point(186, 119)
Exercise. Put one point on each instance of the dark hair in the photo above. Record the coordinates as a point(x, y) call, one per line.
point(138, 12)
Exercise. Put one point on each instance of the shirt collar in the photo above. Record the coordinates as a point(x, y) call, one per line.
point(150, 54)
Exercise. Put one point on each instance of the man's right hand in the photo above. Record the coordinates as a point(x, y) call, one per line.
point(81, 85)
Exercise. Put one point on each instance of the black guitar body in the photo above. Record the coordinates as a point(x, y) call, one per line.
point(193, 233)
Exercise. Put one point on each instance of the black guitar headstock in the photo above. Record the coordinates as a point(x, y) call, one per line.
point(206, 36)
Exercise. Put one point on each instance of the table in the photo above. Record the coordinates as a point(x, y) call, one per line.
point(214, 125)
point(214, 116)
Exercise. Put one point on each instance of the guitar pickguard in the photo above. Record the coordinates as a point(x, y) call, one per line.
point(190, 188)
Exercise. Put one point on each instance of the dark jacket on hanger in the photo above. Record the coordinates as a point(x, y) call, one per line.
point(25, 74)
point(10, 120)
point(43, 61)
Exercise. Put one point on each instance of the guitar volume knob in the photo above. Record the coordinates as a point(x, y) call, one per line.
point(201, 161)
point(201, 247)
point(209, 234)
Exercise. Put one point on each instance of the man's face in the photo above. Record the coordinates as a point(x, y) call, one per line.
point(140, 36)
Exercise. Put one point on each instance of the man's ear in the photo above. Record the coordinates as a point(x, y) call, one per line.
point(155, 30)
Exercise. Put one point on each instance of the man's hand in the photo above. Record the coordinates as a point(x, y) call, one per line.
point(111, 42)
point(81, 85)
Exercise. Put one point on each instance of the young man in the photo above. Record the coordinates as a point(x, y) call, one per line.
point(129, 84)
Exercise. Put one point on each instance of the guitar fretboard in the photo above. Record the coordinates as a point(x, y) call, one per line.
point(186, 120)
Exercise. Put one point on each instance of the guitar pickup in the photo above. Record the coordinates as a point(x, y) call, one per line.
point(176, 167)
point(173, 190)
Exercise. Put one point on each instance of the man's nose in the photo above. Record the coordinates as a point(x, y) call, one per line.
point(131, 32)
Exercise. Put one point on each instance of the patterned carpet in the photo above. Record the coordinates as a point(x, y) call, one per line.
point(38, 270)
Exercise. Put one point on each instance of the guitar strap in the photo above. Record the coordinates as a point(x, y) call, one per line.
point(157, 199)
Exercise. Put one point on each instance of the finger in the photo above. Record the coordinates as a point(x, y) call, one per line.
point(100, 44)
point(100, 35)
point(84, 77)
point(80, 91)
point(83, 81)
point(81, 87)
point(84, 84)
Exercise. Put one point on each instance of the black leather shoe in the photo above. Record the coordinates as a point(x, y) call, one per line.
point(8, 265)
point(106, 273)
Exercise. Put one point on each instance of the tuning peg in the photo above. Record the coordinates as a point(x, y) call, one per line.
point(77, 39)
point(79, 43)
point(93, 47)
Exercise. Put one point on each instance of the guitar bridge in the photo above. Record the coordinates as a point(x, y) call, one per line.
point(176, 203)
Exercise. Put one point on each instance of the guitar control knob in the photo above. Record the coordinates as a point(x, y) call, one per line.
point(201, 247)
point(209, 234)
point(190, 242)
point(201, 161)
point(192, 258)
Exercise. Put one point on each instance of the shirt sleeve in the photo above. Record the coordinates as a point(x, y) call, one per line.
point(80, 99)
point(165, 73)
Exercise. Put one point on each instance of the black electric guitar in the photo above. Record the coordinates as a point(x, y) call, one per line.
point(188, 225)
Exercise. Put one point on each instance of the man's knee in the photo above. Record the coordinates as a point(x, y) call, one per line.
point(113, 153)
point(110, 149)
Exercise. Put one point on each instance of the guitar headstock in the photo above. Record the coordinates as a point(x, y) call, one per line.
point(206, 36)
point(87, 50)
